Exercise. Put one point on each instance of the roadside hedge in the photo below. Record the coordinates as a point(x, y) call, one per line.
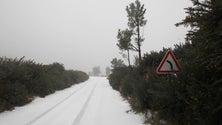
point(22, 80)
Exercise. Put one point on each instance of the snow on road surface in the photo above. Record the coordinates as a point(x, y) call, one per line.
point(93, 102)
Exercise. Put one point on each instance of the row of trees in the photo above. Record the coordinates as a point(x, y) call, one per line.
point(21, 81)
point(193, 97)
point(132, 37)
point(96, 71)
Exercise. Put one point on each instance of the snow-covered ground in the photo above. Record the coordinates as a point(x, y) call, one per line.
point(93, 102)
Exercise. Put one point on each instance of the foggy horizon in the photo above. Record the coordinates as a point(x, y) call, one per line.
point(82, 34)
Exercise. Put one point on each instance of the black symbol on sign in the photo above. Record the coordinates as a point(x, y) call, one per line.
point(171, 65)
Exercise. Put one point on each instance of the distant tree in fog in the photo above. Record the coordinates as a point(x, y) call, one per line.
point(108, 71)
point(96, 71)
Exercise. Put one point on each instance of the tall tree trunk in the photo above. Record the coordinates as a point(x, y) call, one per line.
point(128, 57)
point(138, 41)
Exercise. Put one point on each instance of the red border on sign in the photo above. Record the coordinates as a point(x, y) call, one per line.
point(164, 60)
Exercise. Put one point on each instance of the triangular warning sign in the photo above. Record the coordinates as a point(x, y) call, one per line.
point(168, 64)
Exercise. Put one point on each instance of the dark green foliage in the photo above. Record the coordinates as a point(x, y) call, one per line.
point(135, 13)
point(131, 83)
point(21, 81)
point(77, 76)
point(192, 96)
point(13, 95)
point(203, 80)
point(124, 41)
point(139, 93)
point(117, 63)
point(115, 78)
point(118, 71)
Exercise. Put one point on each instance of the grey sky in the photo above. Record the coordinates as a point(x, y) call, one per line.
point(81, 34)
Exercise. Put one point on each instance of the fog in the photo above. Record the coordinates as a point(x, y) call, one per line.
point(82, 34)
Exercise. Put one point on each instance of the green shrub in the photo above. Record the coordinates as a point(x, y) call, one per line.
point(22, 80)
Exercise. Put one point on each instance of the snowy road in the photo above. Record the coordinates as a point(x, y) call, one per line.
point(93, 102)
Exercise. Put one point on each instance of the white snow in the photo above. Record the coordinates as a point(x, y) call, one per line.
point(93, 102)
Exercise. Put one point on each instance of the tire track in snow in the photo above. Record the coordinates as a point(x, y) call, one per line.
point(53, 107)
point(78, 118)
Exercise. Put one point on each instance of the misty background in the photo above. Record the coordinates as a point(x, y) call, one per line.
point(82, 34)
